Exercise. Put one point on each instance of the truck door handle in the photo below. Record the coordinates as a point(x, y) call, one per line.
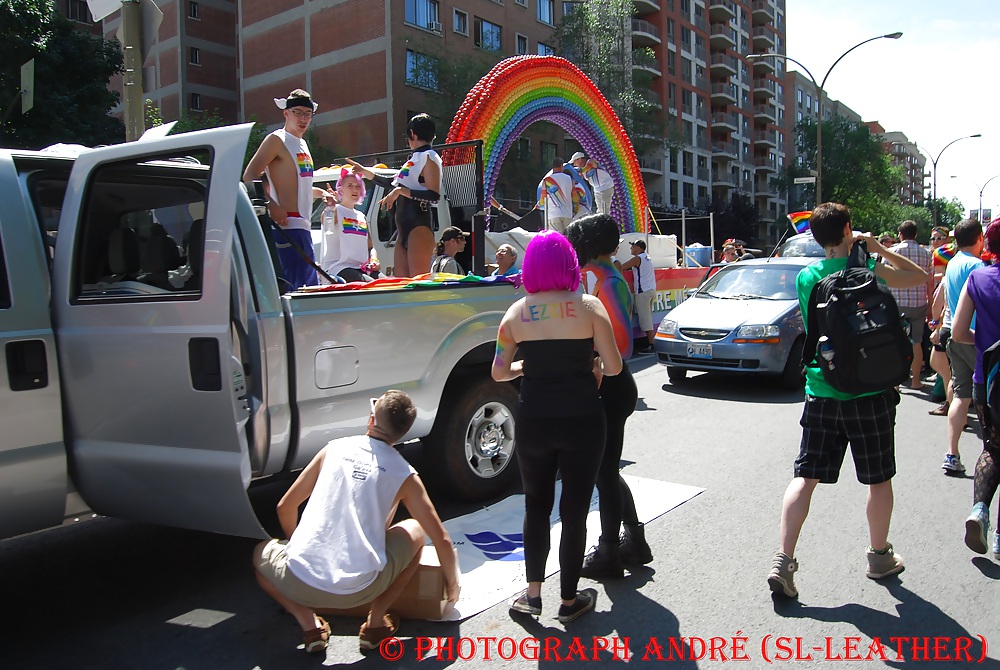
point(206, 370)
point(27, 365)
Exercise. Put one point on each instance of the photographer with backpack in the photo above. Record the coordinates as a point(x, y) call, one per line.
point(855, 333)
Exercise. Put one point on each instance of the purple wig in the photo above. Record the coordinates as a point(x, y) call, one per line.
point(550, 264)
point(992, 237)
point(347, 174)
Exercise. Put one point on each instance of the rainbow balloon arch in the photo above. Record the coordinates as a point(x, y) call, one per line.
point(521, 90)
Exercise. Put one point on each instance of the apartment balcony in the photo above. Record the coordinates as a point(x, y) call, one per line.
point(725, 122)
point(763, 38)
point(646, 6)
point(724, 94)
point(722, 37)
point(651, 98)
point(721, 11)
point(765, 164)
point(764, 89)
point(700, 22)
point(723, 178)
point(765, 138)
point(763, 12)
point(701, 113)
point(765, 113)
point(762, 66)
point(701, 53)
point(646, 63)
point(703, 174)
point(645, 34)
point(651, 166)
point(701, 83)
point(765, 190)
point(725, 150)
point(723, 65)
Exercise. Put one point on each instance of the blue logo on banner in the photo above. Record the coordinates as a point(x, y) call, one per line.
point(499, 547)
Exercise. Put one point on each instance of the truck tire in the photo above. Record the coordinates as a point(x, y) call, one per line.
point(471, 447)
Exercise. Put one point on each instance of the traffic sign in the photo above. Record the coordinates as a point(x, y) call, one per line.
point(804, 180)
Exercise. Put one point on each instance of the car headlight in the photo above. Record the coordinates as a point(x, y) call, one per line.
point(758, 332)
point(668, 327)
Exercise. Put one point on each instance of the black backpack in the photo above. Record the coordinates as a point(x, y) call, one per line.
point(855, 332)
point(991, 373)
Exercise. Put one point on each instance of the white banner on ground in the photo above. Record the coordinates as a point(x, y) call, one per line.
point(491, 551)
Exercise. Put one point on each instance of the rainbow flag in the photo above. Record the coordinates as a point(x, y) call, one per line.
point(945, 253)
point(799, 221)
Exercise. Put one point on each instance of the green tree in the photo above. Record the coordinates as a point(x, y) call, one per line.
point(950, 212)
point(857, 171)
point(72, 71)
point(447, 78)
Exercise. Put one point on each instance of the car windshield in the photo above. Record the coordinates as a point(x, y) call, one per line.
point(737, 281)
point(801, 246)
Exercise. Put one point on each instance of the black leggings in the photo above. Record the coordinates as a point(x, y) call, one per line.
point(571, 446)
point(618, 395)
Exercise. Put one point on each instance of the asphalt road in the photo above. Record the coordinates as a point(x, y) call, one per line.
point(115, 594)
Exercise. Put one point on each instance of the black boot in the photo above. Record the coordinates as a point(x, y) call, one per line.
point(633, 549)
point(604, 563)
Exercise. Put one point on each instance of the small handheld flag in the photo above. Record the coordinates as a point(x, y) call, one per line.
point(799, 221)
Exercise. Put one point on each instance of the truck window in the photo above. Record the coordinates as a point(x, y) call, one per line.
point(47, 192)
point(4, 283)
point(142, 232)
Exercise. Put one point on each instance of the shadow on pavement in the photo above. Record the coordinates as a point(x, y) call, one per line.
point(914, 630)
point(736, 388)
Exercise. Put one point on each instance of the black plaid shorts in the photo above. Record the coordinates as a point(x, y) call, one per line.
point(867, 423)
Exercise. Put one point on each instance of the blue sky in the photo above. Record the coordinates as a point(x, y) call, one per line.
point(939, 81)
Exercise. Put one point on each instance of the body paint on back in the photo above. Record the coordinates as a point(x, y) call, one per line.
point(546, 311)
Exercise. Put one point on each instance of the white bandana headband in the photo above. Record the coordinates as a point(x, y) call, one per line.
point(298, 101)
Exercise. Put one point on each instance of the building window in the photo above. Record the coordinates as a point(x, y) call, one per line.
point(422, 13)
point(523, 3)
point(545, 49)
point(421, 70)
point(195, 57)
point(568, 7)
point(193, 10)
point(488, 35)
point(461, 22)
point(196, 102)
point(77, 10)
point(522, 44)
point(548, 153)
point(547, 11)
point(524, 148)
point(798, 96)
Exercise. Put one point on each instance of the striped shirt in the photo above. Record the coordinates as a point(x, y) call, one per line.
point(916, 296)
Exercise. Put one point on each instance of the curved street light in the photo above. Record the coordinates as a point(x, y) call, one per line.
point(934, 162)
point(819, 97)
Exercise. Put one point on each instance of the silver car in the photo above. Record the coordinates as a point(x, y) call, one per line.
point(744, 318)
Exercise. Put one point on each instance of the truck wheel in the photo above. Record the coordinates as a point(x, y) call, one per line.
point(791, 376)
point(676, 375)
point(472, 444)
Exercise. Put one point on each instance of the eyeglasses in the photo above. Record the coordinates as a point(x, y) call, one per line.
point(373, 401)
point(302, 113)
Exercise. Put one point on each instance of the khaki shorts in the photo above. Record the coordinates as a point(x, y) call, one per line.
point(963, 362)
point(273, 565)
point(644, 308)
point(916, 317)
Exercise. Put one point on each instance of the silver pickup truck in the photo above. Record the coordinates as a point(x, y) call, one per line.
point(154, 369)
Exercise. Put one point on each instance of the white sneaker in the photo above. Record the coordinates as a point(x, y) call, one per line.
point(952, 463)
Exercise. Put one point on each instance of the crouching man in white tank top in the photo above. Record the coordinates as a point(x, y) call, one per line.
point(344, 552)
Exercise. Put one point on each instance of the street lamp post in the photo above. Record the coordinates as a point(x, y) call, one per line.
point(934, 162)
point(819, 97)
point(981, 198)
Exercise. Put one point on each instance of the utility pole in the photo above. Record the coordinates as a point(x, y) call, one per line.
point(134, 102)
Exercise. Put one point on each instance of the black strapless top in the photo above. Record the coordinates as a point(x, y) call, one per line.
point(558, 378)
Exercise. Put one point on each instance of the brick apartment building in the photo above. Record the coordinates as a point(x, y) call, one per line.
point(904, 153)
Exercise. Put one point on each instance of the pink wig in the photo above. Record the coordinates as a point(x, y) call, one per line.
point(345, 174)
point(550, 264)
point(992, 236)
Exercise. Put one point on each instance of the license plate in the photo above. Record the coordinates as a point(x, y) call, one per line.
point(699, 350)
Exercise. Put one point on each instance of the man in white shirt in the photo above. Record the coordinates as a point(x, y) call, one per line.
point(644, 285)
point(556, 197)
point(599, 179)
point(345, 552)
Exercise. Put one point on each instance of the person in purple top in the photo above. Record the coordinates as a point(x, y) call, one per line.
point(979, 300)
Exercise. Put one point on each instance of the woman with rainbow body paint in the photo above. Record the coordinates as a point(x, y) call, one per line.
point(560, 425)
point(595, 239)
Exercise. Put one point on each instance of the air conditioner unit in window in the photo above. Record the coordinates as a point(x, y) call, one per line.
point(673, 111)
point(434, 26)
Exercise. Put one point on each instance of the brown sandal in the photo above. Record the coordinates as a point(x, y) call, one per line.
point(315, 639)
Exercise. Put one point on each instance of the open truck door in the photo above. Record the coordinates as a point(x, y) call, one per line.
point(155, 399)
point(32, 455)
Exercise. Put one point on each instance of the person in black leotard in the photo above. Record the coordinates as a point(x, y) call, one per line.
point(595, 239)
point(414, 190)
point(560, 425)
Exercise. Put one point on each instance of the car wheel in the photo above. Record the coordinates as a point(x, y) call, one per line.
point(471, 446)
point(791, 376)
point(676, 375)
